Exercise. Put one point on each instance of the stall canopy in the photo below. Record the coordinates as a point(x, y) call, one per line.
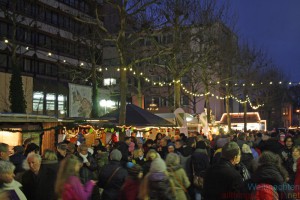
point(136, 116)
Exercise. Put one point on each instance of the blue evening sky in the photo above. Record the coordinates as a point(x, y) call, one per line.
point(274, 26)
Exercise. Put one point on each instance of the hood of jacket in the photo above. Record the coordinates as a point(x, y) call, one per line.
point(268, 174)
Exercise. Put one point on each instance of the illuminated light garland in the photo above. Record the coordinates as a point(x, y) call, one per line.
point(161, 84)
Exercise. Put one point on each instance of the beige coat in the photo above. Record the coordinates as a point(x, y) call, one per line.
point(180, 180)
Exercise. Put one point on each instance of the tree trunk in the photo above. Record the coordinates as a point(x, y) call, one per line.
point(228, 114)
point(139, 93)
point(123, 94)
point(95, 95)
point(245, 116)
point(176, 95)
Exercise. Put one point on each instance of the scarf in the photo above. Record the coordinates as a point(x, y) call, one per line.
point(14, 186)
point(85, 160)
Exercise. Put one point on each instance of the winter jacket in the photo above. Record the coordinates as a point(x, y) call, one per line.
point(74, 190)
point(270, 174)
point(265, 192)
point(221, 181)
point(288, 163)
point(159, 186)
point(40, 186)
point(129, 190)
point(180, 180)
point(112, 187)
point(88, 172)
point(17, 159)
point(200, 161)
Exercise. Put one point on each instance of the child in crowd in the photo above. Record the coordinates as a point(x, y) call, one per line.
point(68, 185)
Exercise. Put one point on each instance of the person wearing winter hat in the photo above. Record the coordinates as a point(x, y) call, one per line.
point(130, 188)
point(158, 165)
point(115, 155)
point(112, 176)
point(157, 183)
point(177, 175)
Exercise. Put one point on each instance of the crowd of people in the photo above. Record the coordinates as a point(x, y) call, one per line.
point(239, 165)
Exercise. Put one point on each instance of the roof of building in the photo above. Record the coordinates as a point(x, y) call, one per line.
point(251, 117)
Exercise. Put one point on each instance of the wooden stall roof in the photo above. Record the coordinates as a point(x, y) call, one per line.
point(252, 117)
point(16, 117)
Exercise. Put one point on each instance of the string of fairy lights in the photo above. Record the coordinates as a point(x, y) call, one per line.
point(184, 88)
point(247, 100)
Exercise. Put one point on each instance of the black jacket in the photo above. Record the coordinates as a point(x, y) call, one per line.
point(222, 181)
point(41, 186)
point(200, 161)
point(112, 187)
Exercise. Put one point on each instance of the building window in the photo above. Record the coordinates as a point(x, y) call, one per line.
point(27, 65)
point(38, 102)
point(62, 105)
point(50, 104)
point(3, 29)
point(41, 68)
point(109, 81)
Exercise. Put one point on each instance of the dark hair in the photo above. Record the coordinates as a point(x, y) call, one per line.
point(30, 148)
point(270, 158)
point(230, 150)
point(287, 137)
point(149, 141)
point(158, 134)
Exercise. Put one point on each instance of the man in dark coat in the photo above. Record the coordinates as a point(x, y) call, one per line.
point(112, 176)
point(222, 180)
point(38, 182)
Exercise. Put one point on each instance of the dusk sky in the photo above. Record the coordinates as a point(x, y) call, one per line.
point(274, 26)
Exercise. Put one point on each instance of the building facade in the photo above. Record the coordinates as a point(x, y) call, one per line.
point(51, 48)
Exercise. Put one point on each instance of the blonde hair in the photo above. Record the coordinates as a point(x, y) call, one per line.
point(67, 168)
point(49, 155)
point(152, 154)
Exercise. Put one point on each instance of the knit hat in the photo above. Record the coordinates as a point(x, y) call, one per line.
point(134, 170)
point(158, 165)
point(115, 155)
